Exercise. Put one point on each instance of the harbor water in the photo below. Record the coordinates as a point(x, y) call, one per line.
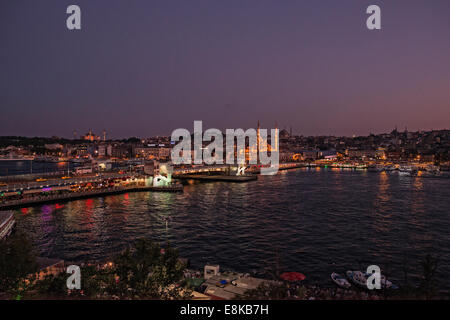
point(314, 221)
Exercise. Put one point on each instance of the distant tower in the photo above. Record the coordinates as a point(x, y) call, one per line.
point(104, 135)
point(274, 143)
point(257, 144)
point(257, 134)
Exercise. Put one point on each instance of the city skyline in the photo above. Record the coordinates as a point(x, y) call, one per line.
point(156, 67)
point(103, 135)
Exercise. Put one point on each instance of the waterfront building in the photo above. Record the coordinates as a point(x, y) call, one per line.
point(152, 151)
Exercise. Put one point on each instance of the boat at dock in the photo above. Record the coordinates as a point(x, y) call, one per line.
point(340, 280)
point(358, 278)
point(407, 170)
point(385, 283)
point(375, 168)
point(7, 224)
point(46, 159)
point(79, 160)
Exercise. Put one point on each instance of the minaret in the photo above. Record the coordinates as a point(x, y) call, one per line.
point(275, 142)
point(257, 143)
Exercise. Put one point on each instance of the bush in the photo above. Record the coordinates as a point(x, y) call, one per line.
point(17, 263)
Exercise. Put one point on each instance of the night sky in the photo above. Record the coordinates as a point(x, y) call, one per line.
point(143, 68)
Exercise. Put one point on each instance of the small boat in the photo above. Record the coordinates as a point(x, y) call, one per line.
point(293, 276)
point(389, 168)
point(7, 224)
point(358, 278)
point(385, 283)
point(408, 170)
point(374, 168)
point(340, 280)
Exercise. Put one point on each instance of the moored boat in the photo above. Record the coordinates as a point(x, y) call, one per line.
point(340, 280)
point(385, 283)
point(358, 278)
point(407, 170)
point(388, 284)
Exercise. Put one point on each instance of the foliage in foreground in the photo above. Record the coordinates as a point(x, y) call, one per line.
point(144, 271)
point(17, 262)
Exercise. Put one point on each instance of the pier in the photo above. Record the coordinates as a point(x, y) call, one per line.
point(217, 178)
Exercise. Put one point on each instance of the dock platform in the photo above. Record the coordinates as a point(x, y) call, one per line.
point(217, 178)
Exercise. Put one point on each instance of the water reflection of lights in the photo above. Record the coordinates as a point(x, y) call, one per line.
point(417, 204)
point(59, 206)
point(89, 203)
point(382, 221)
point(46, 212)
point(383, 187)
point(126, 200)
point(46, 209)
point(418, 184)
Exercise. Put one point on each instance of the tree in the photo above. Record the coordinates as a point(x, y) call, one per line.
point(51, 285)
point(428, 285)
point(17, 264)
point(149, 272)
point(144, 271)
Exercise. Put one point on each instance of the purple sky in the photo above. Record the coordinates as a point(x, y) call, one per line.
point(142, 68)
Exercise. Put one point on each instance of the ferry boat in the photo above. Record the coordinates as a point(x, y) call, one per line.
point(407, 170)
point(7, 224)
point(46, 159)
point(79, 160)
point(375, 168)
point(357, 277)
point(390, 168)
